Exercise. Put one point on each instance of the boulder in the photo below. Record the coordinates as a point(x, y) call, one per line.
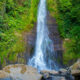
point(22, 72)
point(58, 78)
point(25, 72)
point(47, 73)
point(62, 74)
point(51, 75)
point(62, 70)
point(75, 70)
point(3, 74)
point(76, 66)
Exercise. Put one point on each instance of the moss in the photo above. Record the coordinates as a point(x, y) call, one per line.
point(18, 19)
point(7, 69)
point(69, 53)
point(23, 69)
point(52, 7)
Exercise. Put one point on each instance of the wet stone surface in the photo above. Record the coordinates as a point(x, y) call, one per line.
point(63, 74)
point(5, 79)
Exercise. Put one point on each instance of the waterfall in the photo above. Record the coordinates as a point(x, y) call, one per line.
point(44, 55)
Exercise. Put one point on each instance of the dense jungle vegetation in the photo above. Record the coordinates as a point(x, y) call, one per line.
point(67, 14)
point(16, 17)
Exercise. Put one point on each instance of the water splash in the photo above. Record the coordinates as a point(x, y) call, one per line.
point(44, 55)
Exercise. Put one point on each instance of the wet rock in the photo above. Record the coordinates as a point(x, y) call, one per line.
point(65, 71)
point(75, 70)
point(30, 39)
point(46, 73)
point(55, 37)
point(3, 74)
point(58, 78)
point(62, 70)
point(62, 74)
point(54, 33)
point(76, 66)
point(22, 72)
point(49, 72)
point(5, 79)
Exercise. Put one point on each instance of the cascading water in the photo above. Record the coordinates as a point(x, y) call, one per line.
point(44, 55)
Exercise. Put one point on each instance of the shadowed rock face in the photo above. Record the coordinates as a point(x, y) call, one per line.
point(63, 74)
point(55, 36)
point(30, 40)
point(54, 33)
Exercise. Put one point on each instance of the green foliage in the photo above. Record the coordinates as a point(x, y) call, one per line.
point(16, 16)
point(67, 14)
point(51, 5)
point(1, 22)
point(33, 16)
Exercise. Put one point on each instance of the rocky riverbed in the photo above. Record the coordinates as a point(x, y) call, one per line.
point(25, 72)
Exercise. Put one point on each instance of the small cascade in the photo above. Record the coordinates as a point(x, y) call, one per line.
point(44, 56)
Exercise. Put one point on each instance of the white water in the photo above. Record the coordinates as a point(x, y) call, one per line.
point(43, 57)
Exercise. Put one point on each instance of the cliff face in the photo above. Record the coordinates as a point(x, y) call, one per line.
point(30, 39)
point(55, 36)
